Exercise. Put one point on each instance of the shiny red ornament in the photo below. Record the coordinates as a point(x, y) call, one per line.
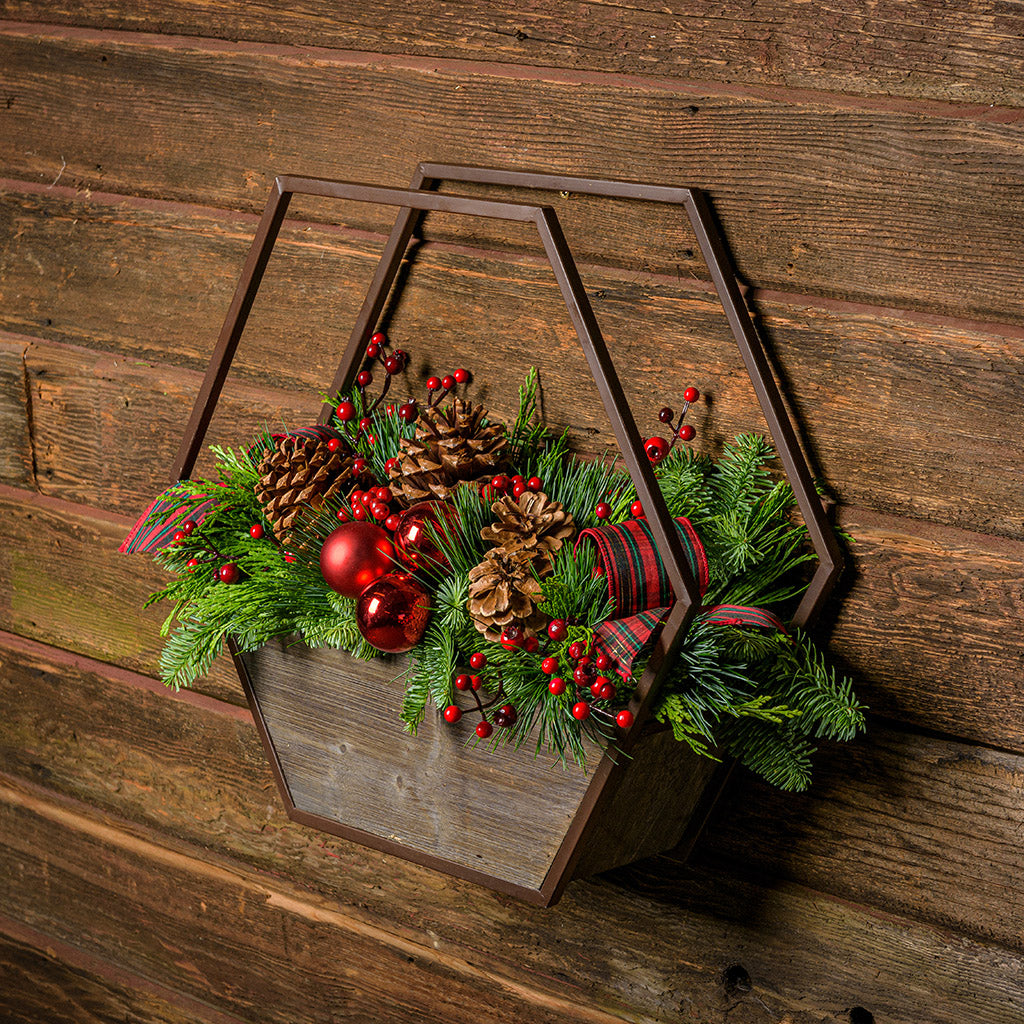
point(392, 613)
point(602, 510)
point(355, 554)
point(416, 530)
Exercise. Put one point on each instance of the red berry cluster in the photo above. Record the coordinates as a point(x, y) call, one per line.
point(438, 387)
point(657, 447)
point(226, 572)
point(514, 485)
point(503, 717)
point(373, 505)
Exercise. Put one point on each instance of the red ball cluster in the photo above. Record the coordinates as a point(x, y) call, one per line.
point(371, 505)
point(658, 447)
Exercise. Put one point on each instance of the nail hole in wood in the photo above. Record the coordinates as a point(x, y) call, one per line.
point(858, 1015)
point(736, 979)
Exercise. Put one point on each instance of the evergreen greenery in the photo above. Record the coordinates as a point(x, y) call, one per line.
point(763, 697)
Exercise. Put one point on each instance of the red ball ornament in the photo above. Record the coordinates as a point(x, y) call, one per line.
point(452, 713)
point(624, 719)
point(356, 554)
point(256, 531)
point(691, 395)
point(484, 729)
point(511, 637)
point(686, 432)
point(392, 613)
point(416, 530)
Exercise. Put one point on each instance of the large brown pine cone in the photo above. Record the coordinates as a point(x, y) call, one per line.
point(532, 522)
point(451, 445)
point(298, 475)
point(503, 590)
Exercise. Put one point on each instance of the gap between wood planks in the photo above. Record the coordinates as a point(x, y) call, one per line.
point(64, 811)
point(975, 112)
point(687, 284)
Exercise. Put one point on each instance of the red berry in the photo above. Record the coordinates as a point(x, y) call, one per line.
point(228, 572)
point(691, 395)
point(474, 682)
point(392, 521)
point(372, 350)
point(365, 379)
point(383, 493)
point(256, 531)
point(342, 515)
point(581, 710)
point(556, 629)
point(461, 376)
point(549, 666)
point(511, 636)
point(666, 415)
point(595, 687)
point(517, 489)
point(191, 564)
point(408, 412)
point(505, 717)
point(358, 464)
point(433, 383)
point(188, 527)
point(582, 675)
point(379, 510)
point(333, 445)
point(452, 713)
point(447, 382)
point(388, 466)
point(577, 650)
point(602, 510)
point(656, 448)
point(289, 557)
point(366, 498)
point(484, 729)
point(393, 364)
point(607, 691)
point(358, 512)
point(531, 644)
point(462, 682)
point(500, 483)
point(364, 423)
point(179, 536)
point(601, 662)
point(391, 409)
point(557, 685)
point(378, 338)
point(346, 411)
point(534, 484)
point(624, 719)
point(518, 480)
point(478, 661)
point(686, 432)
point(636, 509)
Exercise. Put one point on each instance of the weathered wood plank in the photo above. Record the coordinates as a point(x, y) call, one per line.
point(63, 582)
point(935, 50)
point(221, 120)
point(244, 941)
point(921, 827)
point(15, 439)
point(889, 406)
point(43, 981)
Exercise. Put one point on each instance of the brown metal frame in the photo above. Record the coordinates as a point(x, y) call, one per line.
point(412, 203)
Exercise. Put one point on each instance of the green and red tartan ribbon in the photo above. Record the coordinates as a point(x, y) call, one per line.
point(156, 527)
point(638, 585)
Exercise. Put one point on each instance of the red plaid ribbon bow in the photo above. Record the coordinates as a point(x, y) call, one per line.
point(638, 584)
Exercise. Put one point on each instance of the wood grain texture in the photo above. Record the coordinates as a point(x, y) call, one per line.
point(936, 50)
point(243, 940)
point(62, 581)
point(871, 394)
point(15, 417)
point(838, 202)
point(907, 824)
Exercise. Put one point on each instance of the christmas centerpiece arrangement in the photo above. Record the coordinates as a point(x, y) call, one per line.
point(519, 582)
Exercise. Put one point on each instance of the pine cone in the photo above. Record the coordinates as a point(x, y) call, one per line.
point(451, 446)
point(298, 475)
point(532, 522)
point(503, 590)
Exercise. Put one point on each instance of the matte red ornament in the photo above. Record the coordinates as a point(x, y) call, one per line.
point(355, 554)
point(416, 530)
point(392, 613)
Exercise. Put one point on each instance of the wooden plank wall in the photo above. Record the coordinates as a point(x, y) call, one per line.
point(866, 161)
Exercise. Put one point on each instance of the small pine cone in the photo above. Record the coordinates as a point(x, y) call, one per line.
point(531, 522)
point(452, 445)
point(503, 589)
point(299, 474)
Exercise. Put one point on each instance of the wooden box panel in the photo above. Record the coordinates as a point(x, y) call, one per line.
point(513, 820)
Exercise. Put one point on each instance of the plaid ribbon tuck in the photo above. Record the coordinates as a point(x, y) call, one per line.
point(638, 585)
